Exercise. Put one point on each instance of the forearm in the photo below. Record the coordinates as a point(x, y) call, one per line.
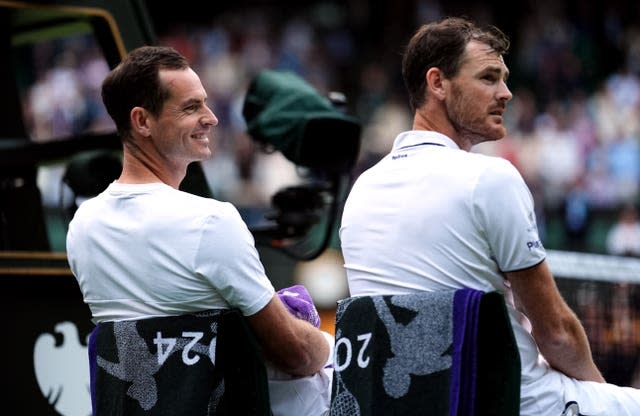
point(568, 351)
point(557, 331)
point(293, 345)
point(308, 356)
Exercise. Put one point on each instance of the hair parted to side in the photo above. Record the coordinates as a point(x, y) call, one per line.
point(135, 82)
point(442, 45)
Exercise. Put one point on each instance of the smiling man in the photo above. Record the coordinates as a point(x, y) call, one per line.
point(144, 249)
point(432, 216)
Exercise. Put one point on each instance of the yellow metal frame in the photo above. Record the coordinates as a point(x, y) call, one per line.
point(88, 11)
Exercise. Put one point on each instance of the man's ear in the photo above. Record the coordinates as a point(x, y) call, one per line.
point(435, 83)
point(140, 121)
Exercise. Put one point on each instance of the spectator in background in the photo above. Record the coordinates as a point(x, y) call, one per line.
point(577, 215)
point(623, 238)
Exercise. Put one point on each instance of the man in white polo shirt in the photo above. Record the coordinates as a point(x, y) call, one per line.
point(145, 249)
point(433, 216)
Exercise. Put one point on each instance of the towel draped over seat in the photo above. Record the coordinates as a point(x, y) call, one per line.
point(443, 353)
point(206, 363)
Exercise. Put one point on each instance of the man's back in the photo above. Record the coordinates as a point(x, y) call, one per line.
point(157, 251)
point(430, 216)
point(426, 218)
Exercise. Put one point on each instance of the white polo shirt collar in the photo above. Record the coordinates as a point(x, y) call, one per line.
point(414, 138)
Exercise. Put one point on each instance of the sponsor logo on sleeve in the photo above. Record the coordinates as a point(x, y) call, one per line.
point(531, 245)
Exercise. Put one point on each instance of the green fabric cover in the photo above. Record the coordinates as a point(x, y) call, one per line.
point(284, 111)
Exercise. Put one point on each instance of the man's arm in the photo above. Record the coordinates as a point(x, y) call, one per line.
point(556, 329)
point(292, 344)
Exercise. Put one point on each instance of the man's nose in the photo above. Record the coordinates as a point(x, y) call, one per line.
point(209, 118)
point(504, 93)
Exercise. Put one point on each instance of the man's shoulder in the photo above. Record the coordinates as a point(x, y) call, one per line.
point(88, 206)
point(204, 205)
point(494, 165)
point(197, 199)
point(488, 160)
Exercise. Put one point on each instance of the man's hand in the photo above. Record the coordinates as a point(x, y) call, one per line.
point(298, 301)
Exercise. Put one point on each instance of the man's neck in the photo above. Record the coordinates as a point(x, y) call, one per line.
point(426, 119)
point(138, 168)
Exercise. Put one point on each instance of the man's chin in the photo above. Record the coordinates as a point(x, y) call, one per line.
point(497, 133)
point(202, 156)
point(485, 137)
point(206, 152)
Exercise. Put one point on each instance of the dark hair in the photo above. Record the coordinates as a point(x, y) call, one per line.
point(442, 45)
point(135, 82)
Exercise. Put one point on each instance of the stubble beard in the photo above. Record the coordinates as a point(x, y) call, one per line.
point(473, 131)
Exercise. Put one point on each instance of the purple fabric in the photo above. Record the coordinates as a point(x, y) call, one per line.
point(93, 362)
point(299, 303)
point(466, 315)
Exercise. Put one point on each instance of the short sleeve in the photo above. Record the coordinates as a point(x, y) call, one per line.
point(228, 259)
point(503, 207)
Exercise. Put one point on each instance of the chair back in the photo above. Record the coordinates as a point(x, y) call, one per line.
point(443, 353)
point(205, 363)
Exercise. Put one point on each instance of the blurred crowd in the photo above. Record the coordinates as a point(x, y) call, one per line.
point(574, 122)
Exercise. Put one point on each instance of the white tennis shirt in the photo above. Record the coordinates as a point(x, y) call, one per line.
point(147, 250)
point(430, 216)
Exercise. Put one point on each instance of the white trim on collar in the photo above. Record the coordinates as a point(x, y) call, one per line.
point(117, 187)
point(418, 137)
